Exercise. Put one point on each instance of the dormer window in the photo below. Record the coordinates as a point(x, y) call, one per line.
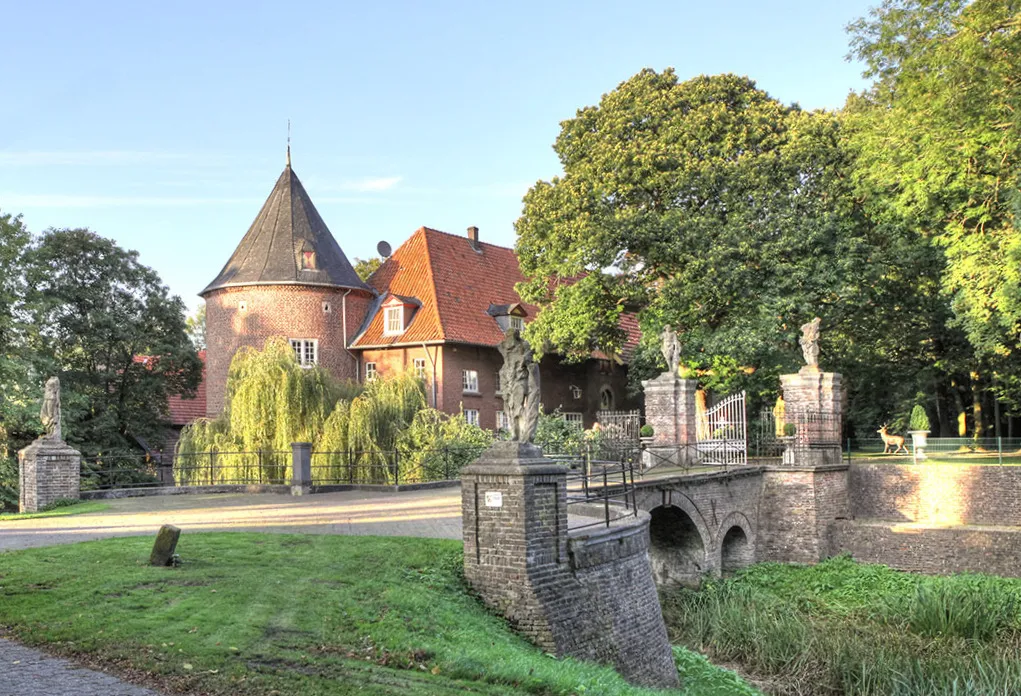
point(398, 312)
point(393, 320)
point(508, 316)
point(308, 260)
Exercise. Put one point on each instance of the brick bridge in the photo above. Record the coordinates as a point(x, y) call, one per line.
point(716, 522)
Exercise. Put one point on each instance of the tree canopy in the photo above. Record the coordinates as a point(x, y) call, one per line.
point(710, 206)
point(108, 327)
point(938, 137)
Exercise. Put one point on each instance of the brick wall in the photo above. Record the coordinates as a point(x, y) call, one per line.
point(937, 494)
point(929, 550)
point(797, 509)
point(292, 311)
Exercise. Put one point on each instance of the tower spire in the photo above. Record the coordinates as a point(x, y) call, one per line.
point(288, 142)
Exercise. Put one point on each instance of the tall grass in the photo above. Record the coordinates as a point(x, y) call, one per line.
point(845, 628)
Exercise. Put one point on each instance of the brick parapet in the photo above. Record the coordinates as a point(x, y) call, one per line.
point(590, 596)
point(936, 493)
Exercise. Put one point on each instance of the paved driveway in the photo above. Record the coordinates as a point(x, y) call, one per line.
point(425, 513)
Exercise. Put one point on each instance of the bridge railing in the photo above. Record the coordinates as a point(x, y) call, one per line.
point(600, 484)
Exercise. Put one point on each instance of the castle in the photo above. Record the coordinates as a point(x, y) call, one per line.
point(437, 306)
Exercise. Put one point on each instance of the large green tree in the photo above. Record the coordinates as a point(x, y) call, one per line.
point(109, 328)
point(938, 140)
point(711, 207)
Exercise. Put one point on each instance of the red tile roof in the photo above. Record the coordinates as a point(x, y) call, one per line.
point(456, 285)
point(184, 411)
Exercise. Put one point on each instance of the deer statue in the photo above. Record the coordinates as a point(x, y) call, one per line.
point(895, 441)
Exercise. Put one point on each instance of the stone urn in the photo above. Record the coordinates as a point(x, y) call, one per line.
point(919, 441)
point(787, 442)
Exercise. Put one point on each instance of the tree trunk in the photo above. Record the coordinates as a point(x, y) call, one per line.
point(962, 415)
point(977, 411)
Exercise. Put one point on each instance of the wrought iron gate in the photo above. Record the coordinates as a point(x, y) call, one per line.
point(721, 432)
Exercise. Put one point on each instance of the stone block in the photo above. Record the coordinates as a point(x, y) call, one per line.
point(165, 546)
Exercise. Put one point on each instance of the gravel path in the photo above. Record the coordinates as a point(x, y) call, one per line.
point(27, 672)
point(432, 513)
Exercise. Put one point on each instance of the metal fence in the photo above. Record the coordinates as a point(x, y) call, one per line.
point(388, 467)
point(392, 467)
point(986, 450)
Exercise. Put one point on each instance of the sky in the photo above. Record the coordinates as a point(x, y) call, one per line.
point(164, 125)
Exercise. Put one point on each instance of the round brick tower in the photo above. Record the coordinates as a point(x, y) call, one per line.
point(288, 277)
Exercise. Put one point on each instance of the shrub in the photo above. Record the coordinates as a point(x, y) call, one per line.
point(8, 484)
point(646, 431)
point(790, 429)
point(919, 419)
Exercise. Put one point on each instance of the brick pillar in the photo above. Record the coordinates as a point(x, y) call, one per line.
point(802, 499)
point(301, 468)
point(814, 403)
point(670, 410)
point(48, 471)
point(514, 514)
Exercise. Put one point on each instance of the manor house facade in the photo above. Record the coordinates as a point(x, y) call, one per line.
point(437, 306)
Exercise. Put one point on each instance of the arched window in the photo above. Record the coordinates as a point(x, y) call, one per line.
point(606, 400)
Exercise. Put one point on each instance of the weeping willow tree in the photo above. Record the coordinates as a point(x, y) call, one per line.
point(271, 402)
point(357, 433)
point(376, 421)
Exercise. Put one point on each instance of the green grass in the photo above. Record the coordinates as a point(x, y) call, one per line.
point(288, 614)
point(846, 628)
point(77, 508)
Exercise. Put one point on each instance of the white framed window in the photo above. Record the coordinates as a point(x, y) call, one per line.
point(502, 422)
point(420, 368)
point(306, 350)
point(496, 382)
point(393, 321)
point(470, 381)
point(517, 323)
point(370, 372)
point(472, 416)
point(575, 419)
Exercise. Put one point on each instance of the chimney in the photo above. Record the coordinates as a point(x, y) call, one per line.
point(473, 237)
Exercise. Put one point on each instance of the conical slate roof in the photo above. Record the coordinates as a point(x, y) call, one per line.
point(288, 244)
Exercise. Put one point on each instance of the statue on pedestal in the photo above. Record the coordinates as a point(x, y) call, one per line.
point(810, 342)
point(671, 349)
point(50, 413)
point(519, 381)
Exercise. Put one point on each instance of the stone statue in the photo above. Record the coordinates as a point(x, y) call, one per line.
point(671, 349)
point(810, 342)
point(519, 380)
point(50, 413)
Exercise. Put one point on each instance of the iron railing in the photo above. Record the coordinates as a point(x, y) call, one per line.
point(609, 485)
point(398, 466)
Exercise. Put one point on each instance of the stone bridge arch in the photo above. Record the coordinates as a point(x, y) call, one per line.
point(735, 543)
point(681, 548)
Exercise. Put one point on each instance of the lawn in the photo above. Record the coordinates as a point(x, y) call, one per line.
point(854, 629)
point(292, 614)
point(56, 511)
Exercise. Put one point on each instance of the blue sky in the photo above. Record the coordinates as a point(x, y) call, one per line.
point(163, 125)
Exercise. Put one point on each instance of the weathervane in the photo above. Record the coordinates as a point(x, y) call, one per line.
point(288, 142)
